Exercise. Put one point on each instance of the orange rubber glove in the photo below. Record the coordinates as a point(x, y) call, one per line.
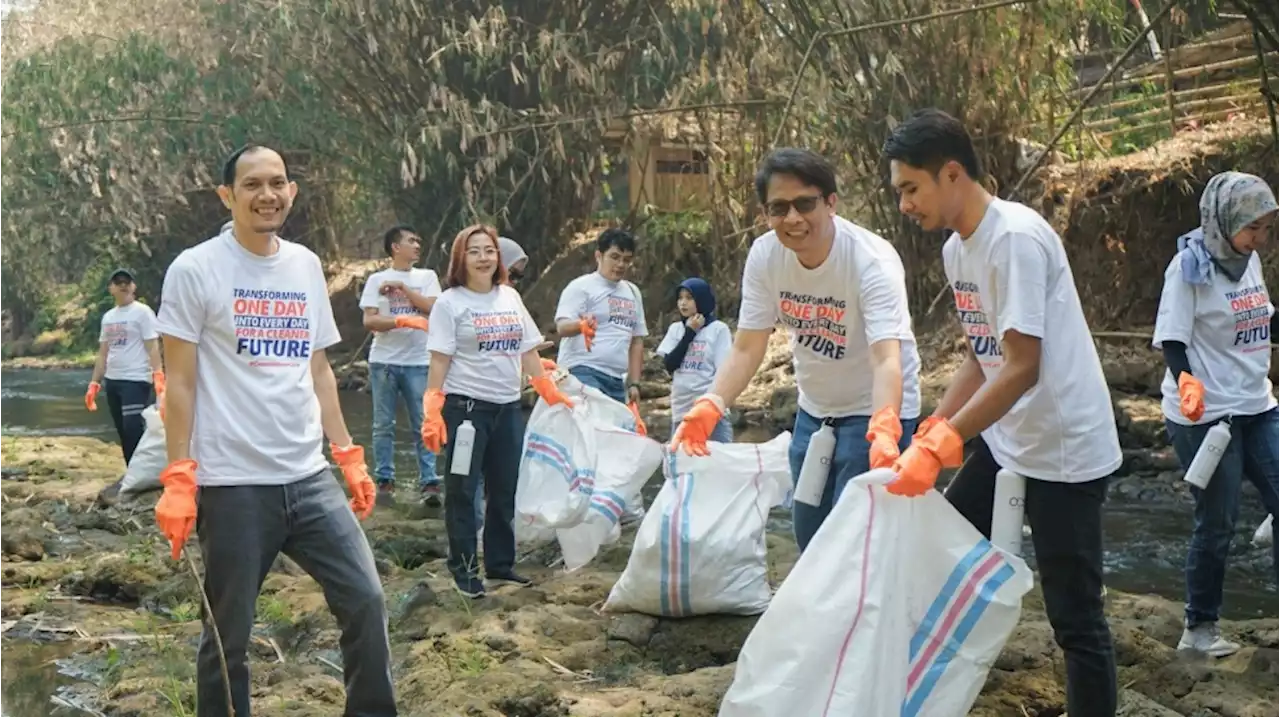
point(434, 433)
point(91, 396)
point(411, 321)
point(549, 391)
point(176, 511)
point(363, 492)
point(1191, 391)
point(635, 413)
point(549, 366)
point(925, 425)
point(587, 325)
point(938, 447)
point(157, 379)
point(696, 427)
point(884, 431)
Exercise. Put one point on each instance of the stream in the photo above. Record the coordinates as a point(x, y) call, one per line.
point(1145, 539)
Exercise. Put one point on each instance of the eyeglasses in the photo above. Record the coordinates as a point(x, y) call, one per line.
point(782, 207)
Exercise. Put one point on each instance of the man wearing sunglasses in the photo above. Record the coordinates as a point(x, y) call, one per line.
point(841, 293)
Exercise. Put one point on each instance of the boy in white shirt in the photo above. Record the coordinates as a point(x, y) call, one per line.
point(246, 320)
point(129, 360)
point(1030, 394)
point(841, 292)
point(396, 304)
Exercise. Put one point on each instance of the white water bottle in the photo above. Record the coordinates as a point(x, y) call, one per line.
point(816, 466)
point(1207, 457)
point(463, 441)
point(1006, 511)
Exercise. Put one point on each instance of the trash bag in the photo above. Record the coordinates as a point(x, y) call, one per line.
point(149, 458)
point(1262, 536)
point(897, 608)
point(701, 548)
point(579, 474)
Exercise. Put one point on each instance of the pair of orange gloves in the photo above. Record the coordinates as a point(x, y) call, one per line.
point(157, 377)
point(176, 511)
point(434, 432)
point(935, 446)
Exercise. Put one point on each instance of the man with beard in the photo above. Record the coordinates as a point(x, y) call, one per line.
point(245, 319)
point(1030, 395)
point(396, 304)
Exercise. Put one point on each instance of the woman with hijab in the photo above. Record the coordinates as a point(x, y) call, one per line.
point(694, 348)
point(513, 257)
point(1215, 327)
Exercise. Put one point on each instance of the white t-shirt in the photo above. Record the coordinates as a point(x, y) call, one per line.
point(858, 296)
point(126, 329)
point(486, 335)
point(1012, 273)
point(1226, 326)
point(707, 353)
point(619, 314)
point(257, 321)
point(400, 347)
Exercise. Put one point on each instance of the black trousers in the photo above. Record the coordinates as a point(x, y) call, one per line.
point(1066, 532)
point(126, 399)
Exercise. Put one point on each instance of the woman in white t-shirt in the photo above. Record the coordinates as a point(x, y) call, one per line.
point(1215, 327)
point(694, 348)
point(481, 340)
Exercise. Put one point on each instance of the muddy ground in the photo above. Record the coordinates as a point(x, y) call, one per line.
point(100, 577)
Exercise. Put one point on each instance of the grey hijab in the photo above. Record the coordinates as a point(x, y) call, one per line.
point(1230, 202)
point(511, 252)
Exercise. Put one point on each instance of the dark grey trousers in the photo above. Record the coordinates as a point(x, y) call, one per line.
point(241, 530)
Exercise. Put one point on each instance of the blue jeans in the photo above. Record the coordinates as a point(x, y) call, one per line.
point(611, 386)
point(1251, 454)
point(387, 382)
point(850, 460)
point(723, 432)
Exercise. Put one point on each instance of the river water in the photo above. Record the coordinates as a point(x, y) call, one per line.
point(1146, 541)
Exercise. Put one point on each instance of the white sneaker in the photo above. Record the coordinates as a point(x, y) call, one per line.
point(1208, 639)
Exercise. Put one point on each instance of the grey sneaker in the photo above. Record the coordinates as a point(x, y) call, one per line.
point(1207, 638)
point(431, 495)
point(472, 587)
point(510, 578)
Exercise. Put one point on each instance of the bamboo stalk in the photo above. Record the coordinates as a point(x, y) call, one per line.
point(1215, 114)
point(1166, 112)
point(1179, 74)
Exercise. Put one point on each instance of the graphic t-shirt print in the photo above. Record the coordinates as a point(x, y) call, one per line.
point(498, 332)
point(817, 322)
point(116, 334)
point(974, 320)
point(273, 328)
point(622, 312)
point(695, 359)
point(1252, 309)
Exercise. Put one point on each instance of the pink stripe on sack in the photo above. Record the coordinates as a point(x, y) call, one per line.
point(862, 596)
point(957, 606)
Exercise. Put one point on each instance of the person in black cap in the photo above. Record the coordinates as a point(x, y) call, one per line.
point(128, 360)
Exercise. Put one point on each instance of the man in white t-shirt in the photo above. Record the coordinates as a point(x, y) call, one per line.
point(841, 293)
point(129, 361)
point(246, 321)
point(600, 320)
point(1030, 394)
point(396, 304)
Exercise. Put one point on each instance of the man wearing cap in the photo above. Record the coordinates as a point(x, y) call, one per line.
point(128, 361)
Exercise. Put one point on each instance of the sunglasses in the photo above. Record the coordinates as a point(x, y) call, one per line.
point(782, 207)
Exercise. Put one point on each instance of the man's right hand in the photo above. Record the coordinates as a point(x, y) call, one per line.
point(696, 427)
point(411, 321)
point(176, 511)
point(587, 325)
point(1191, 396)
point(91, 396)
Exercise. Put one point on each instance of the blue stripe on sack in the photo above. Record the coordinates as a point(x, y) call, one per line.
point(664, 557)
point(552, 446)
point(939, 666)
point(686, 600)
point(947, 594)
point(609, 512)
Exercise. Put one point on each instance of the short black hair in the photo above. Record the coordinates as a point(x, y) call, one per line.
point(621, 238)
point(229, 166)
point(806, 165)
point(930, 138)
point(392, 236)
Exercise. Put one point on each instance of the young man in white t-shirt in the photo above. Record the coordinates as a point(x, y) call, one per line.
point(841, 292)
point(246, 320)
point(396, 304)
point(1030, 394)
point(128, 360)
